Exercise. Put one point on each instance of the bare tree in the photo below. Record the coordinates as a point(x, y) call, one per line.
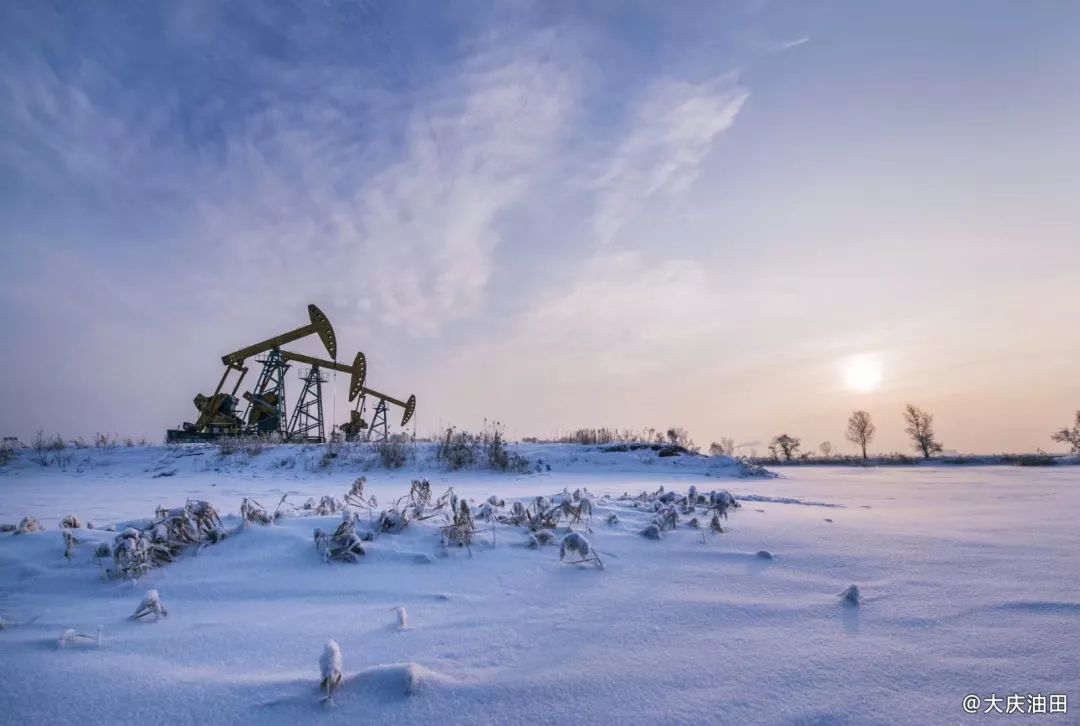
point(920, 427)
point(826, 449)
point(723, 447)
point(860, 430)
point(1069, 436)
point(678, 436)
point(788, 446)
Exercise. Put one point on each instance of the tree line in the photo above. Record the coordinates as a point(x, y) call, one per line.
point(918, 425)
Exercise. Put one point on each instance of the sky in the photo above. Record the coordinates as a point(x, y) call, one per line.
point(549, 214)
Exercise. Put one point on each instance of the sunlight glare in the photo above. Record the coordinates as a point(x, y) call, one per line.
point(863, 373)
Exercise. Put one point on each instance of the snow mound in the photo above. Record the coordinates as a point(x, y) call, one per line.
point(393, 680)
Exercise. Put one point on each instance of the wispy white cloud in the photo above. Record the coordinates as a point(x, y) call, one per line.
point(669, 138)
point(408, 240)
point(793, 43)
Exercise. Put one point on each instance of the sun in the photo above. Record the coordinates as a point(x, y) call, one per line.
point(863, 372)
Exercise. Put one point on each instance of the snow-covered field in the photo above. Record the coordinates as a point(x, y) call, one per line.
point(968, 578)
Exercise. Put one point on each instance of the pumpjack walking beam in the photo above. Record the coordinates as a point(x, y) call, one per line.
point(358, 371)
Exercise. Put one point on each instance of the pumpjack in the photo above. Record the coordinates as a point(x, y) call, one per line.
point(218, 416)
point(356, 428)
point(266, 413)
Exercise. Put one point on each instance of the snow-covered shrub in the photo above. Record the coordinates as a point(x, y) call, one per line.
point(254, 513)
point(69, 544)
point(714, 523)
point(612, 519)
point(191, 524)
point(330, 669)
point(27, 525)
point(7, 453)
point(151, 605)
point(345, 544)
point(461, 528)
point(576, 543)
point(516, 516)
point(722, 498)
point(651, 531)
point(327, 505)
point(353, 497)
point(394, 451)
point(719, 504)
point(420, 492)
point(131, 554)
point(71, 637)
point(391, 521)
point(70, 522)
point(8, 528)
point(461, 449)
point(666, 518)
point(456, 449)
point(544, 536)
point(578, 512)
point(101, 557)
point(136, 551)
point(542, 515)
point(498, 456)
point(851, 595)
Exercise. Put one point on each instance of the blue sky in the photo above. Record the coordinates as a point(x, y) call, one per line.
point(551, 214)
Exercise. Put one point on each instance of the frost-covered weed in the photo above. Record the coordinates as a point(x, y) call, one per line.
point(28, 525)
point(254, 513)
point(851, 595)
point(150, 605)
point(345, 544)
point(136, 551)
point(131, 554)
point(714, 523)
point(392, 521)
point(71, 637)
point(330, 669)
point(70, 522)
point(69, 544)
point(543, 537)
point(394, 451)
point(651, 531)
point(576, 543)
point(461, 528)
point(666, 518)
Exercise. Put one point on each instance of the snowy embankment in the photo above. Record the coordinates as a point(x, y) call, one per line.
point(966, 580)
